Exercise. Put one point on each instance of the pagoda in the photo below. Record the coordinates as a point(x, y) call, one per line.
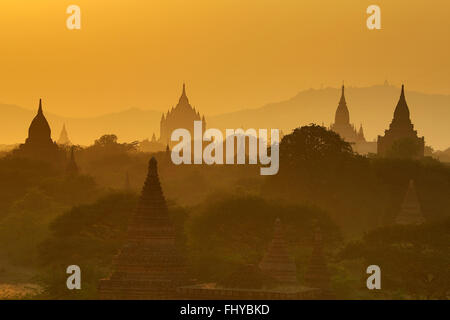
point(342, 124)
point(64, 137)
point(401, 128)
point(150, 265)
point(39, 144)
point(317, 275)
point(410, 212)
point(183, 116)
point(277, 262)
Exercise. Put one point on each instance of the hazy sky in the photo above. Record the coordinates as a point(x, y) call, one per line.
point(231, 53)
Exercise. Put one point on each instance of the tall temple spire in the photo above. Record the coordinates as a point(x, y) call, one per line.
point(361, 136)
point(64, 137)
point(277, 262)
point(39, 131)
point(40, 106)
point(410, 212)
point(342, 116)
point(401, 113)
point(150, 264)
point(183, 98)
point(400, 128)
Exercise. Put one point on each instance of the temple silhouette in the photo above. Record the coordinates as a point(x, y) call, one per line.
point(347, 131)
point(150, 265)
point(280, 271)
point(39, 144)
point(401, 130)
point(64, 137)
point(182, 115)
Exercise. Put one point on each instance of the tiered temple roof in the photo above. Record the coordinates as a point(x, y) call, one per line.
point(411, 212)
point(400, 128)
point(342, 124)
point(150, 265)
point(182, 115)
point(277, 261)
point(64, 137)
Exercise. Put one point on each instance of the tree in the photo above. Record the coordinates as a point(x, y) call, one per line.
point(414, 260)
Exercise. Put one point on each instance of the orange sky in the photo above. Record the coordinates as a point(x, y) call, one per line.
point(231, 53)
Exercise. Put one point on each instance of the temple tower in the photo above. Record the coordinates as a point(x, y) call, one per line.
point(150, 265)
point(361, 137)
point(183, 116)
point(410, 212)
point(39, 144)
point(400, 129)
point(277, 261)
point(341, 123)
point(39, 132)
point(64, 137)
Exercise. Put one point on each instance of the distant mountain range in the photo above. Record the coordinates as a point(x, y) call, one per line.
point(371, 106)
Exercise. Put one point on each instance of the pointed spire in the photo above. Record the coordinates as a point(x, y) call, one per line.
point(184, 101)
point(343, 93)
point(64, 137)
point(152, 199)
point(401, 113)
point(342, 116)
point(150, 265)
point(277, 261)
point(39, 130)
point(40, 107)
point(361, 133)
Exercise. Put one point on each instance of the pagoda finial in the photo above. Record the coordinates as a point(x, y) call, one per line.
point(401, 112)
point(40, 106)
